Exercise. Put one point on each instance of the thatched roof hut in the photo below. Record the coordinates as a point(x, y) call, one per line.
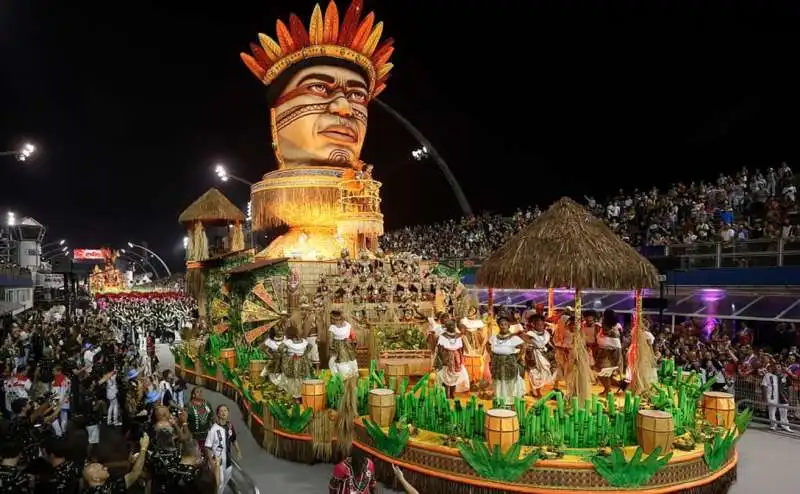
point(567, 246)
point(212, 207)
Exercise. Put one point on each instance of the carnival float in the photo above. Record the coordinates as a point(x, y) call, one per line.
point(324, 342)
point(108, 278)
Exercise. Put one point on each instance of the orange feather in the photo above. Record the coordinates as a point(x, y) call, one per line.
point(383, 70)
point(298, 30)
point(383, 52)
point(350, 22)
point(284, 38)
point(378, 90)
point(260, 56)
point(315, 28)
point(331, 33)
point(362, 32)
point(251, 64)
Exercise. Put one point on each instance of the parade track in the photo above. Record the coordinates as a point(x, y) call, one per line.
point(764, 458)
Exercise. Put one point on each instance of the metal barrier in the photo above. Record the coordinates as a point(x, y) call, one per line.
point(740, 254)
point(748, 393)
point(241, 482)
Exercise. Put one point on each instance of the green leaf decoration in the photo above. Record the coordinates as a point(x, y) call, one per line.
point(334, 390)
point(392, 444)
point(496, 465)
point(634, 473)
point(422, 382)
point(717, 451)
point(743, 420)
point(291, 420)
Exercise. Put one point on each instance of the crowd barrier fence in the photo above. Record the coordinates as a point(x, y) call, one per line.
point(748, 393)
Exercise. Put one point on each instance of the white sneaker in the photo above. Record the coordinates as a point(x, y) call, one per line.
point(773, 427)
point(787, 428)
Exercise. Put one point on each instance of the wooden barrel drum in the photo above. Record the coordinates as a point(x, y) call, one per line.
point(313, 394)
point(473, 363)
point(228, 357)
point(501, 428)
point(719, 408)
point(382, 406)
point(256, 366)
point(399, 372)
point(654, 429)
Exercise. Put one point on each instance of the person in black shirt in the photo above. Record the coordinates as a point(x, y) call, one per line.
point(192, 475)
point(13, 480)
point(64, 474)
point(163, 457)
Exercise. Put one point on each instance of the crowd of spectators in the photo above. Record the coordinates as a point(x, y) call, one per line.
point(746, 205)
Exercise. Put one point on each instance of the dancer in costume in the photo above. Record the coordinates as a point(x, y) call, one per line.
point(342, 347)
point(355, 475)
point(609, 349)
point(562, 341)
point(293, 362)
point(539, 371)
point(273, 368)
point(506, 362)
point(645, 360)
point(473, 334)
point(590, 328)
point(449, 361)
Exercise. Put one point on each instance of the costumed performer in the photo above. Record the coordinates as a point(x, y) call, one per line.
point(645, 364)
point(473, 336)
point(506, 363)
point(272, 370)
point(354, 475)
point(609, 349)
point(200, 416)
point(539, 369)
point(589, 328)
point(293, 361)
point(342, 347)
point(562, 341)
point(449, 361)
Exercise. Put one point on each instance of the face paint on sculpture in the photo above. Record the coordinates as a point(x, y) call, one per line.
point(321, 117)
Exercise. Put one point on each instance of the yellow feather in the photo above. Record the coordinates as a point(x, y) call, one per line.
point(372, 41)
point(269, 45)
point(315, 29)
point(384, 69)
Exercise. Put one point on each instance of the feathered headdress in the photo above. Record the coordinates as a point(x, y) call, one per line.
point(354, 40)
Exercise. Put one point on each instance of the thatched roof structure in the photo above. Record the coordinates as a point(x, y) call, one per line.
point(567, 246)
point(211, 207)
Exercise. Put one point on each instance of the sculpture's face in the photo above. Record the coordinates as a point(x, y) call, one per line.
point(321, 117)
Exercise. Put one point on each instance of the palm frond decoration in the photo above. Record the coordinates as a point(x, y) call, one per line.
point(717, 451)
point(496, 465)
point(742, 420)
point(634, 473)
point(393, 443)
point(292, 419)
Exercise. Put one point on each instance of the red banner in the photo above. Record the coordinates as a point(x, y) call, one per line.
point(89, 254)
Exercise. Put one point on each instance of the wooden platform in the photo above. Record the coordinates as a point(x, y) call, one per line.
point(434, 468)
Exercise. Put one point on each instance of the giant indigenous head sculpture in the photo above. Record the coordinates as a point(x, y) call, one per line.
point(320, 82)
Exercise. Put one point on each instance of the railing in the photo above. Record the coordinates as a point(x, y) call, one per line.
point(740, 254)
point(748, 393)
point(241, 482)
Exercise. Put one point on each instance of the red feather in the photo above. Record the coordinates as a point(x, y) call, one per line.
point(253, 66)
point(350, 22)
point(383, 52)
point(284, 38)
point(363, 32)
point(260, 56)
point(299, 32)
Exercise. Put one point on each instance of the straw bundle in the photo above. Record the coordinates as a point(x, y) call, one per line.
point(321, 429)
point(198, 243)
point(567, 247)
point(307, 206)
point(348, 411)
point(211, 207)
point(237, 237)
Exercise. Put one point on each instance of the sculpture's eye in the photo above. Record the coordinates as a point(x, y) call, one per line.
point(357, 97)
point(319, 89)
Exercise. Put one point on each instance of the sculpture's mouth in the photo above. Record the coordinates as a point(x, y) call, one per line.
point(341, 133)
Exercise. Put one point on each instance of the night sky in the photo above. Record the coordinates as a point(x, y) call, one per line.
point(132, 103)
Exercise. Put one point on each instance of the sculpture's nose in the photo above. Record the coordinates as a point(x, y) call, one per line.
point(341, 107)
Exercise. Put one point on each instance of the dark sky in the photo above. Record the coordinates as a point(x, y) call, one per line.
point(131, 104)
